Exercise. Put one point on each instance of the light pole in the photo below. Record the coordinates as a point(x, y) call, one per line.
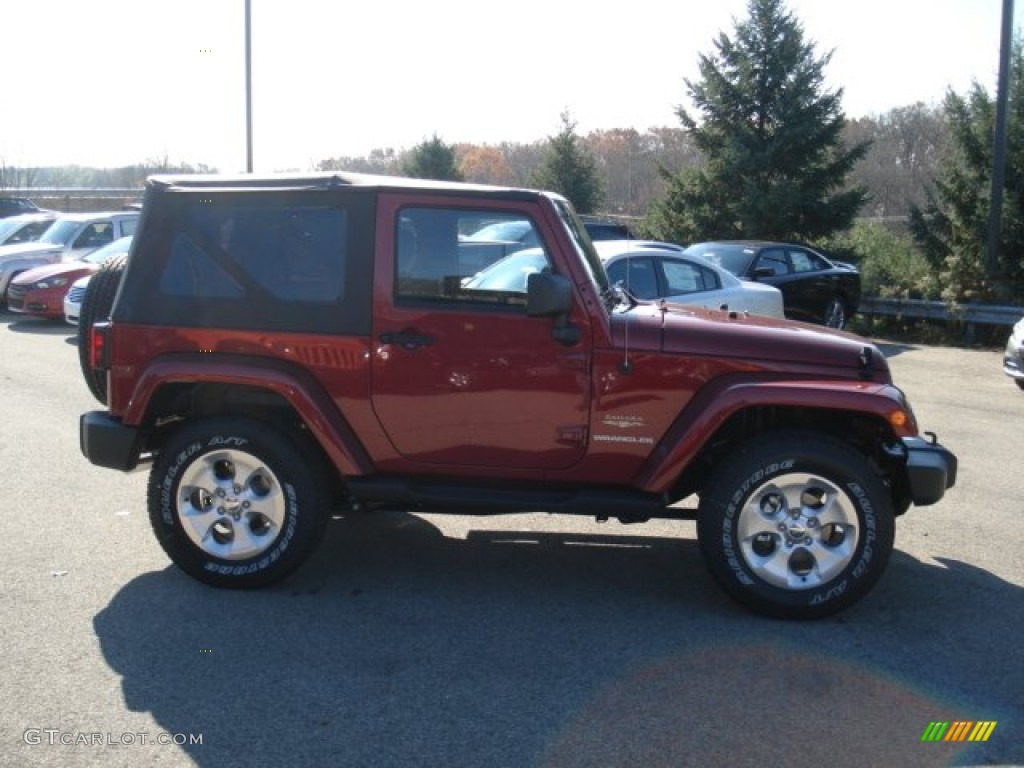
point(248, 86)
point(995, 214)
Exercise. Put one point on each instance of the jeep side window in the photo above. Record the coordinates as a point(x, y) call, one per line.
point(287, 253)
point(191, 272)
point(457, 256)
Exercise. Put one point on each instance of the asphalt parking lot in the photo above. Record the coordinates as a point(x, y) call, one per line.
point(502, 641)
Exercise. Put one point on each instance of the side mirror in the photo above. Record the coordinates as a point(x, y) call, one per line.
point(548, 295)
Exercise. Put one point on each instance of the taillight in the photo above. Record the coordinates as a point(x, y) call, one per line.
point(99, 346)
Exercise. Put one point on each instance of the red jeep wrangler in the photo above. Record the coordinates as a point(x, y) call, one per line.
point(279, 346)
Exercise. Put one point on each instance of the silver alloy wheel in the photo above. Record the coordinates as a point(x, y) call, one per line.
point(798, 531)
point(230, 504)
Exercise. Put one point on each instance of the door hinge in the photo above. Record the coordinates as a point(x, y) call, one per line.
point(574, 435)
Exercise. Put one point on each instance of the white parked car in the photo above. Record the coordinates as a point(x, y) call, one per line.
point(1013, 357)
point(649, 270)
point(73, 300)
point(69, 237)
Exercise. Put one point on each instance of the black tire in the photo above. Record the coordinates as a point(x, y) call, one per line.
point(763, 540)
point(835, 314)
point(1019, 383)
point(96, 306)
point(265, 502)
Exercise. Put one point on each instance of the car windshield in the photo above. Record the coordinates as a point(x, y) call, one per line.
point(60, 232)
point(7, 227)
point(504, 231)
point(509, 274)
point(100, 255)
point(731, 258)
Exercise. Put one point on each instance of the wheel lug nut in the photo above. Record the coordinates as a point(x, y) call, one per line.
point(220, 492)
point(246, 504)
point(782, 528)
point(220, 510)
point(807, 541)
point(237, 488)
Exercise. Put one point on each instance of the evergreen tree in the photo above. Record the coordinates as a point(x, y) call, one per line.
point(569, 168)
point(775, 165)
point(952, 228)
point(432, 159)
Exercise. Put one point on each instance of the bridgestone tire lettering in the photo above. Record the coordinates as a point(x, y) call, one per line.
point(793, 456)
point(299, 480)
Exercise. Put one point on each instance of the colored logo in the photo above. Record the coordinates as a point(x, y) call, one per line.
point(959, 730)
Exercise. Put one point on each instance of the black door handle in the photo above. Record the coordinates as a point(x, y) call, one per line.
point(406, 339)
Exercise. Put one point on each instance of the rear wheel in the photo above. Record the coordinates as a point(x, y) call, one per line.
point(236, 503)
point(96, 306)
point(796, 525)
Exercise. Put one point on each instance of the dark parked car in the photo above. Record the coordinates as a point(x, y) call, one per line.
point(12, 206)
point(814, 288)
point(1013, 357)
point(606, 229)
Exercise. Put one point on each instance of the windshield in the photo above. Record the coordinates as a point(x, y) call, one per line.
point(505, 231)
point(511, 273)
point(584, 247)
point(60, 232)
point(731, 258)
point(119, 246)
point(7, 227)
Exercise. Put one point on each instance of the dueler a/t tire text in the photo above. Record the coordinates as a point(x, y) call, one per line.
point(235, 503)
point(796, 525)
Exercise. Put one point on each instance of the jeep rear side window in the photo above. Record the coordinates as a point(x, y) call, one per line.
point(457, 256)
point(288, 254)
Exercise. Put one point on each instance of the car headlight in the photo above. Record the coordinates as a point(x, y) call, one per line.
point(52, 282)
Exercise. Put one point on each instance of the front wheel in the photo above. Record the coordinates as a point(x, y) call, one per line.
point(796, 525)
point(234, 503)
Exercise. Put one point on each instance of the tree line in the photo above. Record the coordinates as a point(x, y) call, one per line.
point(907, 146)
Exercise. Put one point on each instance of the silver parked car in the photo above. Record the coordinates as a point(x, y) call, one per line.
point(655, 270)
point(69, 237)
point(1013, 357)
point(25, 227)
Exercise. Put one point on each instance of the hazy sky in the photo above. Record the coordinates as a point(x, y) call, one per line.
point(116, 82)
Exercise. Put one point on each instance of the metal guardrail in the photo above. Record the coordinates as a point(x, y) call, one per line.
point(969, 314)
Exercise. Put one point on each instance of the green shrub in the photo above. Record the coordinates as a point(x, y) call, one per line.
point(890, 265)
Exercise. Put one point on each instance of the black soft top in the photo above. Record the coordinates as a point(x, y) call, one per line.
point(333, 180)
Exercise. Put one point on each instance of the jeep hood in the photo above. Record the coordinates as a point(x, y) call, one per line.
point(757, 341)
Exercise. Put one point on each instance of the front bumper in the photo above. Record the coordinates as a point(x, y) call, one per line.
point(931, 470)
point(106, 442)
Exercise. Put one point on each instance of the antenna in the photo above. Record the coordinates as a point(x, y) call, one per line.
point(626, 366)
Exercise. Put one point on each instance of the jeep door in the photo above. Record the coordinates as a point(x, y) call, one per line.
point(461, 375)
